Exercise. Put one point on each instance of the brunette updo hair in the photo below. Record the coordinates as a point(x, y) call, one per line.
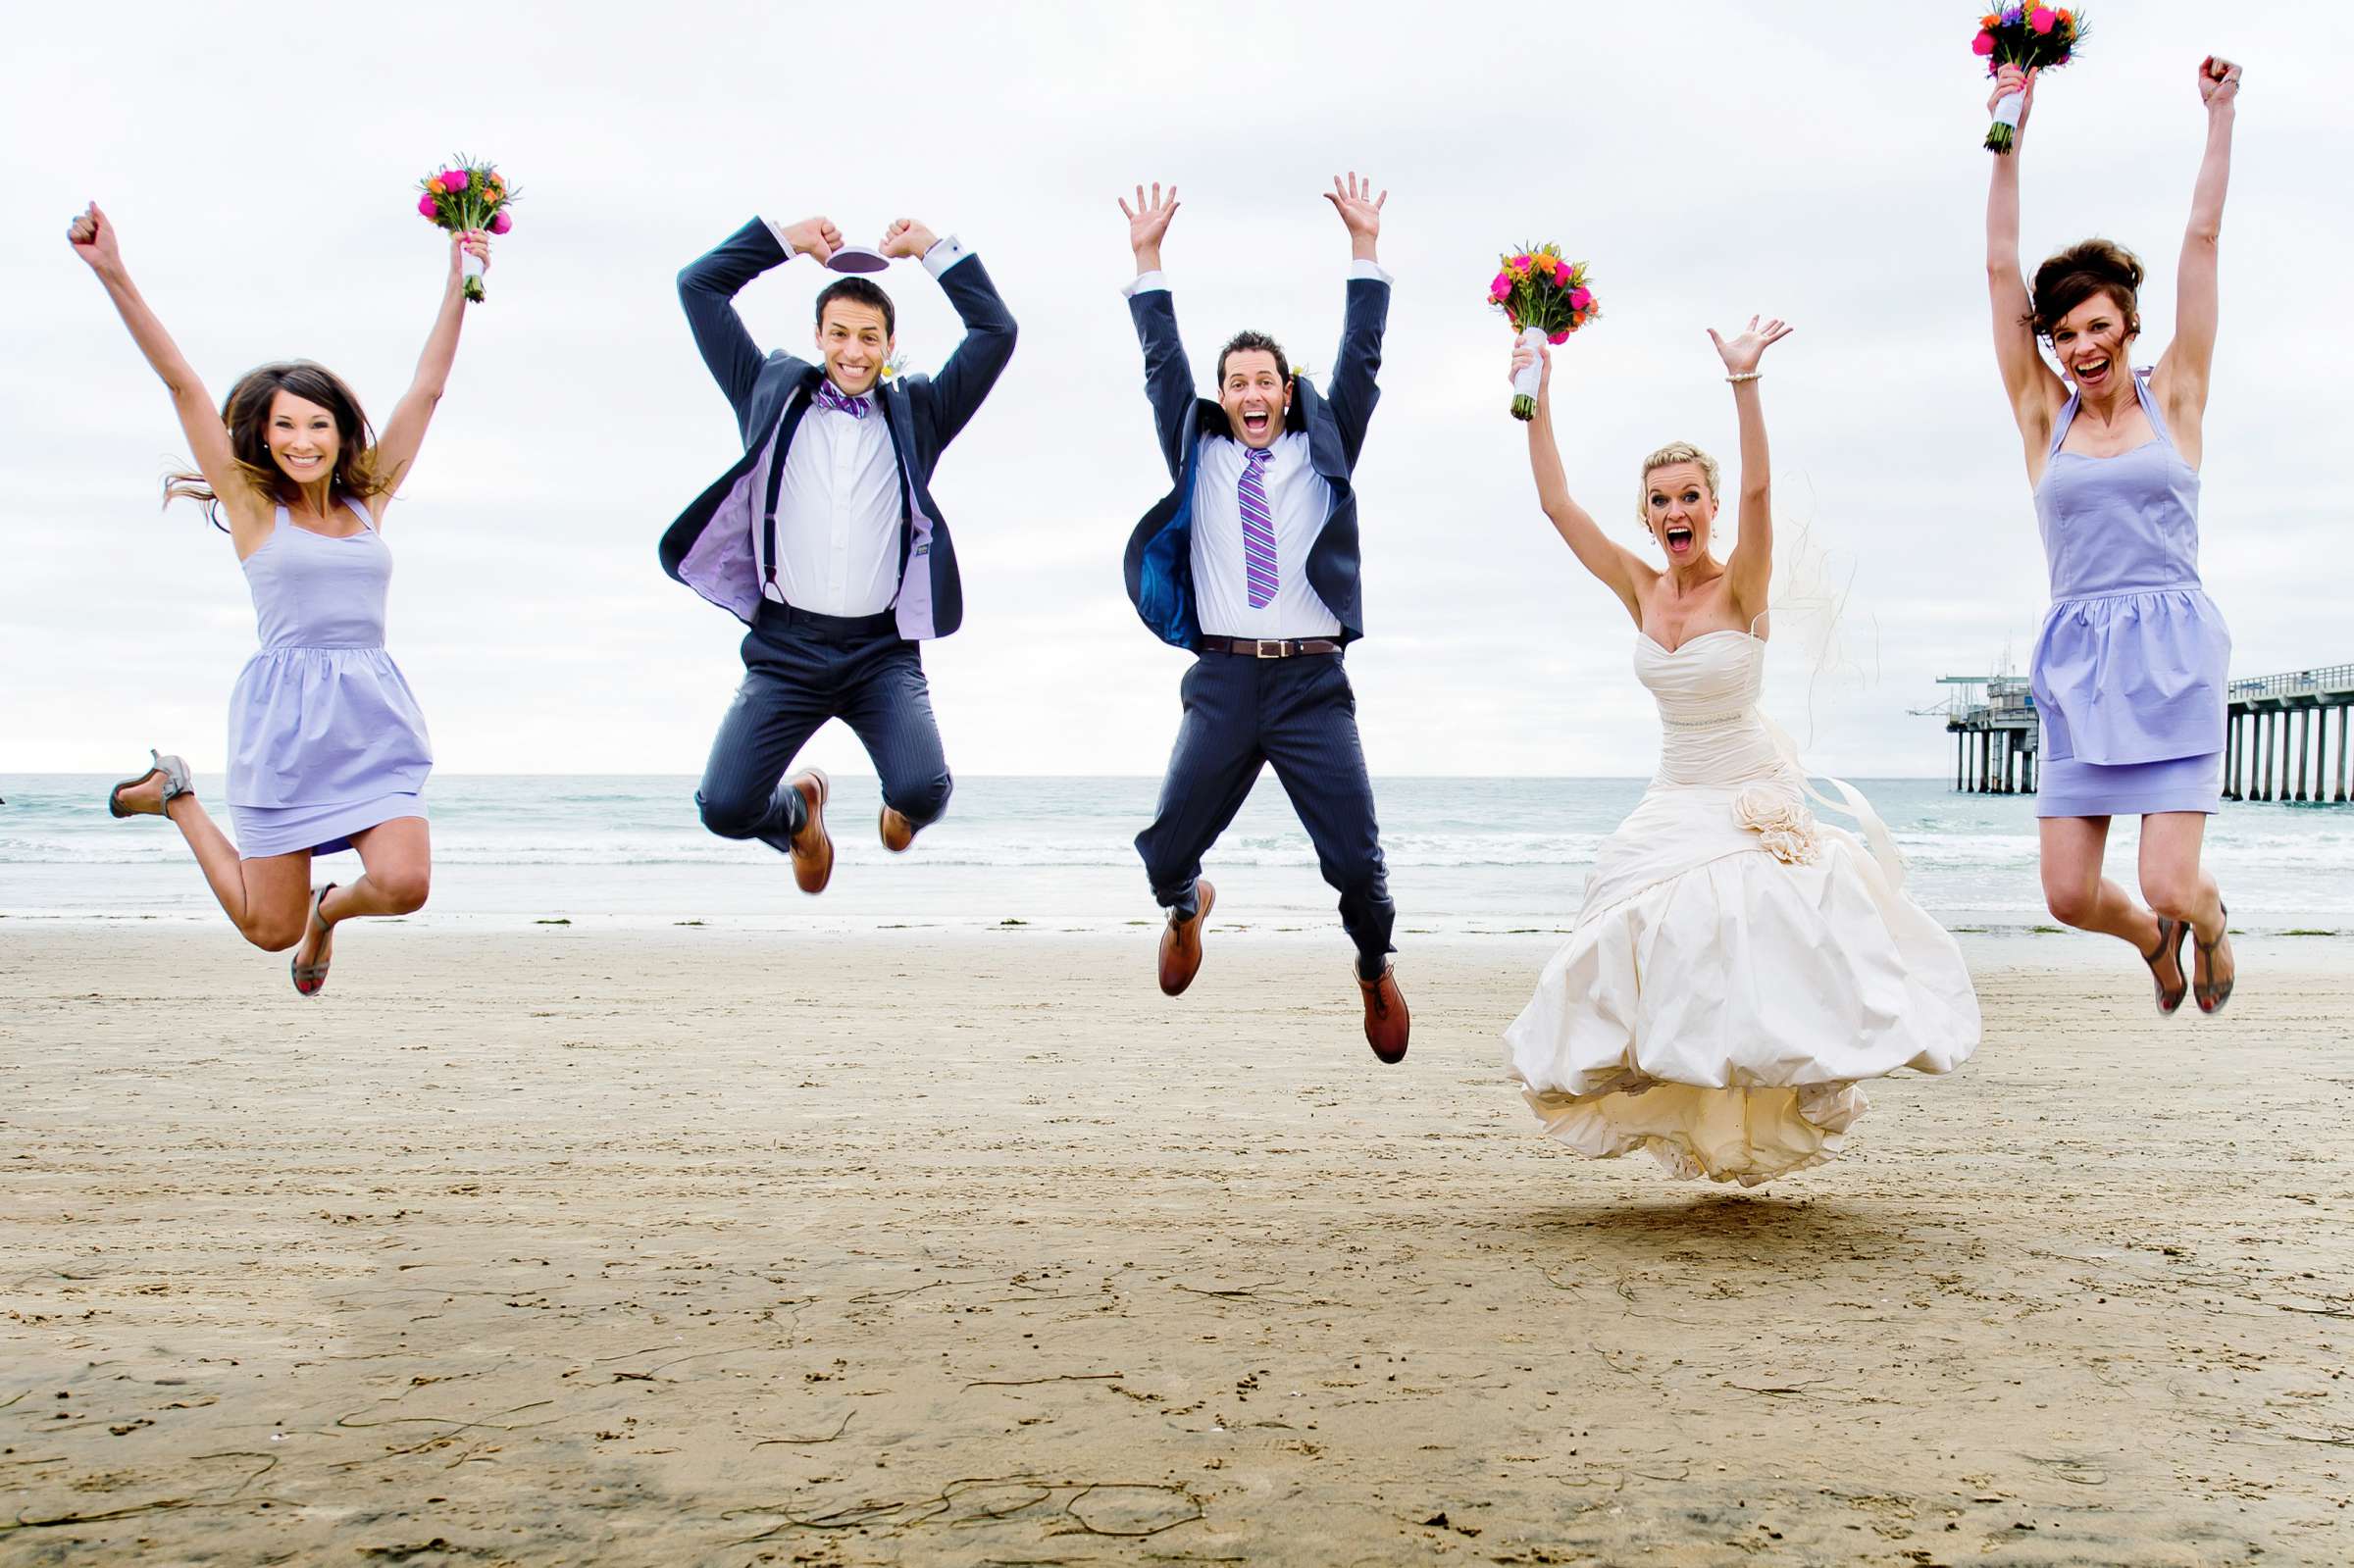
point(2074, 276)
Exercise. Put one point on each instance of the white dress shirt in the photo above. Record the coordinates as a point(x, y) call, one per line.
point(1299, 499)
point(838, 515)
point(838, 507)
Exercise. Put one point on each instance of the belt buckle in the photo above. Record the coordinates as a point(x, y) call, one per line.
point(1267, 647)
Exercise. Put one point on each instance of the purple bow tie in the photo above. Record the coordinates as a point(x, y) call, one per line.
point(827, 397)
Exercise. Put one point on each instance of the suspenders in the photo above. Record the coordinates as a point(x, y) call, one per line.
point(798, 405)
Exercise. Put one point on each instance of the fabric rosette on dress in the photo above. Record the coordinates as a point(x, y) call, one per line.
point(1739, 965)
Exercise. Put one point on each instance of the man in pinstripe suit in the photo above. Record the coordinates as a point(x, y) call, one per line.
point(824, 537)
point(1250, 563)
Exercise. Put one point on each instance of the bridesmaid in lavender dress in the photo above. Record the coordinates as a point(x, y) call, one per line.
point(326, 748)
point(2130, 668)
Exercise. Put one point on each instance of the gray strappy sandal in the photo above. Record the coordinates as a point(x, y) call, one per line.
point(177, 782)
point(311, 978)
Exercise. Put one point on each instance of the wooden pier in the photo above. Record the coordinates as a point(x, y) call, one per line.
point(1996, 744)
point(2276, 740)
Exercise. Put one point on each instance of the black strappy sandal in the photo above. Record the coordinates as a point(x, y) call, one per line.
point(2213, 997)
point(2170, 930)
point(311, 978)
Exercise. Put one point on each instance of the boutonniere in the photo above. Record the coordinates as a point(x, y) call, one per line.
point(894, 367)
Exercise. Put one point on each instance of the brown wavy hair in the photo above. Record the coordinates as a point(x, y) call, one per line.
point(2074, 276)
point(247, 412)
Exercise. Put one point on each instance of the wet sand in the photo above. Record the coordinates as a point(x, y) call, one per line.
point(567, 1246)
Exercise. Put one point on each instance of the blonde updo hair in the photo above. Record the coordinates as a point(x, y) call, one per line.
point(1673, 452)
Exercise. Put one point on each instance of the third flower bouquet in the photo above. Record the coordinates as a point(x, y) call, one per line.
point(463, 196)
point(1545, 299)
point(2031, 37)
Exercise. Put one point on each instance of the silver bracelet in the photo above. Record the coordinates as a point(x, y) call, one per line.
point(1745, 375)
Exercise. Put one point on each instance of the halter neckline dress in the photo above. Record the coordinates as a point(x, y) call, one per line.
point(1738, 966)
point(2131, 669)
point(324, 738)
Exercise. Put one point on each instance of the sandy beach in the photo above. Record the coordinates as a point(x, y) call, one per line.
point(697, 1245)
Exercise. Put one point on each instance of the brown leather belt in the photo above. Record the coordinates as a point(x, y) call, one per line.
point(1269, 647)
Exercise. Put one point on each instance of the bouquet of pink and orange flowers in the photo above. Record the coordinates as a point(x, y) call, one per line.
point(1545, 299)
point(466, 197)
point(2032, 37)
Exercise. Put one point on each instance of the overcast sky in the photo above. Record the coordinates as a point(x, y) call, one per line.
point(1711, 160)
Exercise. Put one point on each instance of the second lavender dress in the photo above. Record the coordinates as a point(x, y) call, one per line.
point(2132, 668)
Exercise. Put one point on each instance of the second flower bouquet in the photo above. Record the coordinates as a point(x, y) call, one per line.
point(1545, 299)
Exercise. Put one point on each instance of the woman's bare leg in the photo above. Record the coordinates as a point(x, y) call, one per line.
point(2175, 883)
point(399, 857)
point(2079, 895)
point(267, 898)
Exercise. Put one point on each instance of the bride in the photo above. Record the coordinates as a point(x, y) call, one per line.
point(1737, 966)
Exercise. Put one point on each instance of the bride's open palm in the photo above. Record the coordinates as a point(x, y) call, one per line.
point(1742, 351)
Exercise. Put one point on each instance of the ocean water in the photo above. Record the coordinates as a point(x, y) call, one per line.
point(1465, 855)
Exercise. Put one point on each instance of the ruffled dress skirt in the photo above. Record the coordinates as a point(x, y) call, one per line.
point(1737, 969)
point(2131, 688)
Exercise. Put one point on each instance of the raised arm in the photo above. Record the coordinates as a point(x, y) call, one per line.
point(954, 395)
point(1168, 375)
point(707, 289)
point(1354, 389)
point(1751, 567)
point(2181, 381)
point(2030, 386)
point(404, 432)
point(92, 236)
point(1618, 568)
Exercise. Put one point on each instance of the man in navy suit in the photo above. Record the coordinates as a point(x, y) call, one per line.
point(1251, 564)
point(824, 537)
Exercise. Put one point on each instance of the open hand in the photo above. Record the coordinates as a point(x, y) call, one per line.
point(1359, 210)
point(92, 236)
point(2008, 81)
point(1148, 221)
point(907, 237)
point(814, 237)
point(2219, 81)
point(1742, 353)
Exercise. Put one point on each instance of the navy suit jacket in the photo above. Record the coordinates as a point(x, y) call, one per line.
point(1160, 561)
point(709, 548)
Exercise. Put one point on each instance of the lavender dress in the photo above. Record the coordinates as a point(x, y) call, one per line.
point(325, 740)
point(2131, 669)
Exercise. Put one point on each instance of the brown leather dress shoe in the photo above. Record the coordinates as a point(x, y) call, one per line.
point(898, 832)
point(1386, 1020)
point(1181, 943)
point(812, 848)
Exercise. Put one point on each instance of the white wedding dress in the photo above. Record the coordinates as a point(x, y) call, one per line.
point(1737, 965)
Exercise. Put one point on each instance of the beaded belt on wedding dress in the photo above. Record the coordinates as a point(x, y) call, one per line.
point(1713, 722)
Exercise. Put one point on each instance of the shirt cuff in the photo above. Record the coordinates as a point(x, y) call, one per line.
point(946, 252)
point(782, 245)
point(1367, 269)
point(1152, 282)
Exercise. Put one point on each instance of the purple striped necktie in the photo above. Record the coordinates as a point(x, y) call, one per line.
point(1258, 528)
point(829, 398)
